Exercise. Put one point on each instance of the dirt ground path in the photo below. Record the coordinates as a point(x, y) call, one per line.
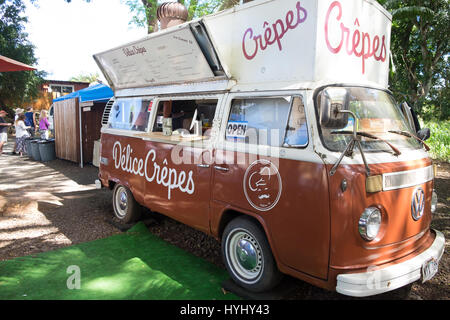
point(46, 206)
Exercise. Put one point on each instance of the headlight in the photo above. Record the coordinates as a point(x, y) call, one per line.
point(369, 223)
point(434, 202)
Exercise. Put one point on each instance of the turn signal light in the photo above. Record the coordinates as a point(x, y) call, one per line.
point(374, 184)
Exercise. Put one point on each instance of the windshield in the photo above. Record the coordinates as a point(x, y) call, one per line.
point(376, 114)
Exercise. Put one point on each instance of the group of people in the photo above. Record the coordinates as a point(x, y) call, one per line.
point(26, 126)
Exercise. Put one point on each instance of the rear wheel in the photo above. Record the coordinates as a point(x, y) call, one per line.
point(248, 257)
point(126, 209)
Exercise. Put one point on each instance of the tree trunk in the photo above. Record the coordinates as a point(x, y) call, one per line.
point(150, 11)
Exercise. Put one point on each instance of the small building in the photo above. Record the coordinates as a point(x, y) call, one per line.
point(77, 119)
point(59, 88)
point(54, 89)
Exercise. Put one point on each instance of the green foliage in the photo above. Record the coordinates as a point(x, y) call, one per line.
point(144, 11)
point(16, 88)
point(199, 8)
point(437, 104)
point(228, 4)
point(439, 141)
point(91, 77)
point(420, 48)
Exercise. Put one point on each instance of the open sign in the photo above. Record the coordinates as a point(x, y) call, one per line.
point(236, 129)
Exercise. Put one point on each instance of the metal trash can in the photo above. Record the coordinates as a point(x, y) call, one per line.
point(35, 150)
point(28, 146)
point(47, 150)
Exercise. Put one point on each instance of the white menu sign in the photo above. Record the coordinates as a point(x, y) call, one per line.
point(159, 59)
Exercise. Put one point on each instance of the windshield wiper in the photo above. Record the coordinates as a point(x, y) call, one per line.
point(370, 136)
point(357, 141)
point(409, 135)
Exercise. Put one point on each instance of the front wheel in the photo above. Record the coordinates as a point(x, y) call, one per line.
point(126, 209)
point(247, 256)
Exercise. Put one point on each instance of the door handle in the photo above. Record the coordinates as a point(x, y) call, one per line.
point(224, 169)
point(203, 165)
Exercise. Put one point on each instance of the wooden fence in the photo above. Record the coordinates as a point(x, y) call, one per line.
point(67, 130)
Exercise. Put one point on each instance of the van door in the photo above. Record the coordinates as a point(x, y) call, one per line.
point(178, 177)
point(265, 165)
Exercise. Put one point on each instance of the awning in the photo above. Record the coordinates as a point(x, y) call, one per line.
point(7, 65)
point(95, 93)
point(98, 93)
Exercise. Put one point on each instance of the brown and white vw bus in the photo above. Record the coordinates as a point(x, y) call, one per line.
point(270, 127)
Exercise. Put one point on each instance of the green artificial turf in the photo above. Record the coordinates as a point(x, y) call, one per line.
point(133, 265)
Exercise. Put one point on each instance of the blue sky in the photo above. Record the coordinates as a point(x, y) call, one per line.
point(66, 35)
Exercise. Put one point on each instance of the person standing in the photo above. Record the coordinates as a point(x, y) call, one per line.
point(30, 121)
point(3, 130)
point(18, 111)
point(21, 134)
point(44, 125)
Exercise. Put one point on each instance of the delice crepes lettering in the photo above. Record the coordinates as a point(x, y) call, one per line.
point(361, 44)
point(161, 174)
point(273, 33)
point(131, 51)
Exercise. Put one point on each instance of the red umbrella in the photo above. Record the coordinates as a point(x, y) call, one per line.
point(7, 64)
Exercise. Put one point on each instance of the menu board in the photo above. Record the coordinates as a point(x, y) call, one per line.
point(170, 57)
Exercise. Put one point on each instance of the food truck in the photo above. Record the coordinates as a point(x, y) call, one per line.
point(270, 126)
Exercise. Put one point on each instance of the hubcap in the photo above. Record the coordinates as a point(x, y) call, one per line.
point(245, 256)
point(121, 202)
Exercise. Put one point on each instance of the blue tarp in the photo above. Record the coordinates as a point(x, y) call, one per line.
point(98, 93)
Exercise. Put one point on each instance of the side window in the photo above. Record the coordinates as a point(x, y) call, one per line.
point(130, 114)
point(297, 129)
point(185, 118)
point(259, 120)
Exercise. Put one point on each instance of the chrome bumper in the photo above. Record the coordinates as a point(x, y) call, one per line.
point(390, 278)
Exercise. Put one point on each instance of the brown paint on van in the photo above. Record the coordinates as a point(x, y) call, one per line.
point(313, 227)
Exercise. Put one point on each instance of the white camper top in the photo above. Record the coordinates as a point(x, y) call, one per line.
point(261, 45)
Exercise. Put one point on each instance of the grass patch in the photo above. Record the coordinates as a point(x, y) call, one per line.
point(439, 141)
point(135, 265)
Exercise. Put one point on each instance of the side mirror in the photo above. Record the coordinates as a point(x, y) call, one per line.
point(333, 101)
point(424, 134)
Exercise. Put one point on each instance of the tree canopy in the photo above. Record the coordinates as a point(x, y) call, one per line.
point(16, 88)
point(420, 49)
point(145, 10)
point(90, 77)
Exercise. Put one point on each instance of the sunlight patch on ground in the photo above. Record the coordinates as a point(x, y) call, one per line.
point(28, 233)
point(5, 243)
point(25, 184)
point(129, 277)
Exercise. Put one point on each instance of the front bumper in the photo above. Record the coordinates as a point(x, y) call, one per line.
point(390, 278)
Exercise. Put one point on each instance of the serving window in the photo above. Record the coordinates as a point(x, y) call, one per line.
point(130, 114)
point(185, 119)
point(272, 121)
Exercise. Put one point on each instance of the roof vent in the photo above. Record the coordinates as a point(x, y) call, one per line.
point(171, 14)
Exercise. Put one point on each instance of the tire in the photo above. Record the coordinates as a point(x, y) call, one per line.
point(126, 209)
point(248, 257)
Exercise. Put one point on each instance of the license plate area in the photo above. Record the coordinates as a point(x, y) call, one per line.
point(429, 269)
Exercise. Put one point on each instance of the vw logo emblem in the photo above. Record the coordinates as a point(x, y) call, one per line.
point(418, 204)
